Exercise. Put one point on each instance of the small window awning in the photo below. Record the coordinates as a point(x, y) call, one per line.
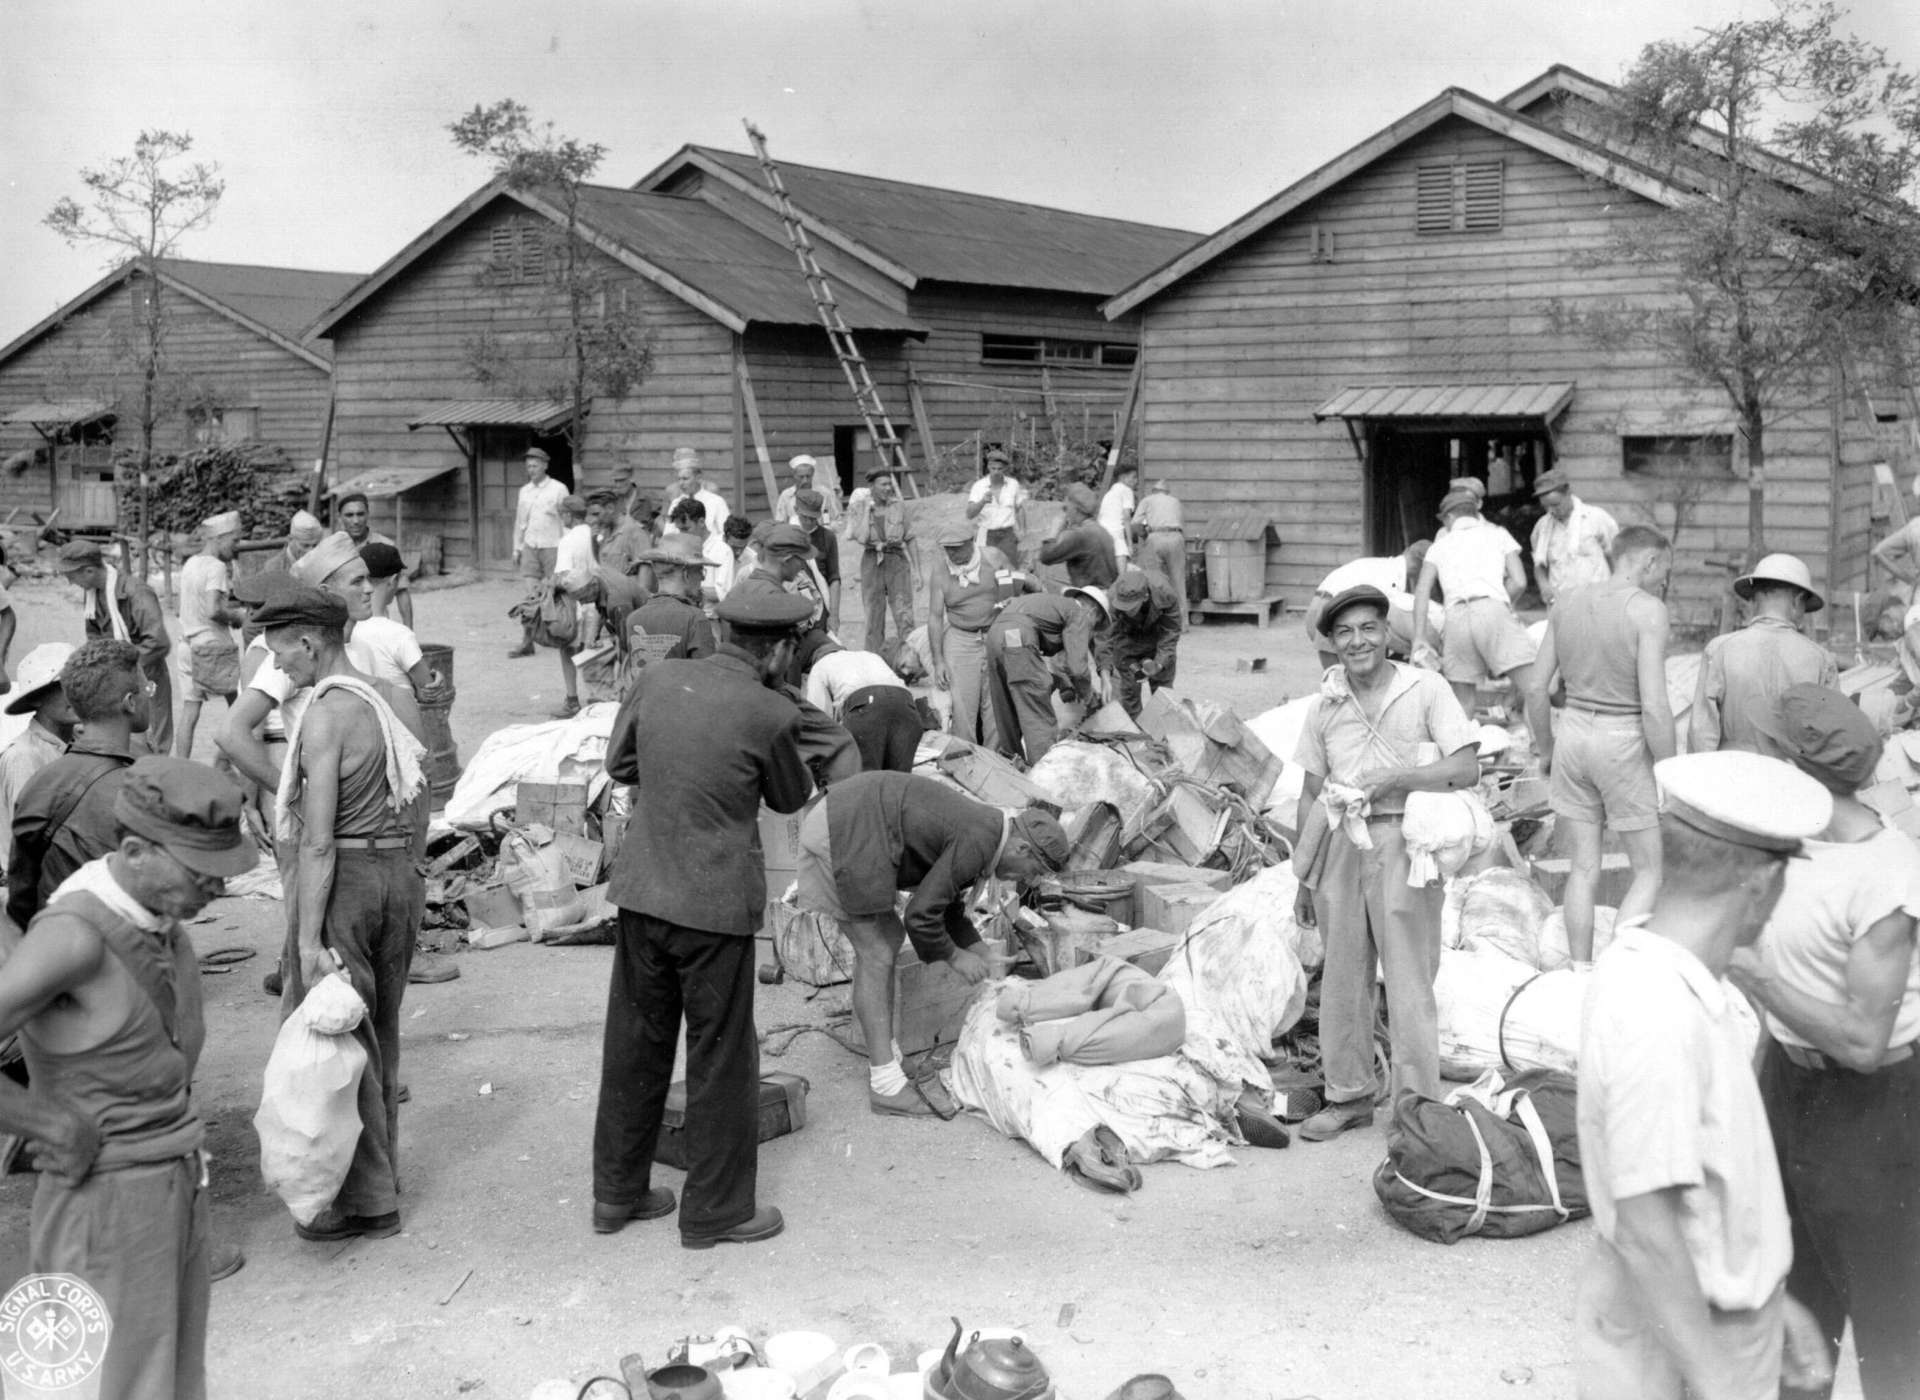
point(1541, 402)
point(58, 413)
point(541, 415)
point(379, 483)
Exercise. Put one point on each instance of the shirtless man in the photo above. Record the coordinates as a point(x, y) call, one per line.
point(357, 896)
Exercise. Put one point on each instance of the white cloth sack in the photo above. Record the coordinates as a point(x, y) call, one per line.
point(575, 749)
point(1279, 729)
point(1443, 831)
point(1240, 975)
point(1499, 910)
point(309, 1118)
point(1075, 774)
point(1470, 991)
point(1554, 953)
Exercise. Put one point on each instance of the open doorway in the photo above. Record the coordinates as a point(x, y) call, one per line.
point(498, 474)
point(1410, 464)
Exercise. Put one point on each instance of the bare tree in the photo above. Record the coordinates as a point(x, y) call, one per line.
point(1796, 152)
point(139, 207)
point(605, 346)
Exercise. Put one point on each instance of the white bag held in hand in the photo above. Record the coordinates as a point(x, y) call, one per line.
point(309, 1118)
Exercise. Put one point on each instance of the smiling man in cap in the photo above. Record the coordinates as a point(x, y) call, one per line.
point(1683, 1293)
point(1743, 674)
point(104, 989)
point(889, 560)
point(119, 606)
point(1377, 731)
point(877, 834)
point(706, 743)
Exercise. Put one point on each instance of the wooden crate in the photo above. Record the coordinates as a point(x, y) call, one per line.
point(1173, 908)
point(1160, 872)
point(929, 1000)
point(561, 806)
point(1146, 948)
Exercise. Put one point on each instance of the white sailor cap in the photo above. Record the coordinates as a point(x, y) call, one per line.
point(1745, 799)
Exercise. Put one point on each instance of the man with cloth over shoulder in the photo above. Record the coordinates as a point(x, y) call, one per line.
point(1608, 642)
point(104, 989)
point(1377, 731)
point(352, 808)
point(876, 834)
point(1743, 674)
point(1572, 542)
point(1682, 1294)
point(706, 743)
point(1834, 974)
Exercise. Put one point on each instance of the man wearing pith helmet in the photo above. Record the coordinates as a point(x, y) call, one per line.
point(1744, 674)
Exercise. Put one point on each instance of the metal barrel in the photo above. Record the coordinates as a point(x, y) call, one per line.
point(436, 710)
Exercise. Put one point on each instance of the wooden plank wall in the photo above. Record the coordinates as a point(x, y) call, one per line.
point(238, 367)
point(803, 394)
point(402, 351)
point(1240, 353)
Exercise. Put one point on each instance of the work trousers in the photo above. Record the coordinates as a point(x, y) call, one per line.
point(886, 727)
point(1619, 1354)
point(159, 735)
point(1127, 677)
point(965, 655)
point(1020, 685)
point(886, 582)
point(373, 921)
point(1165, 552)
point(1007, 541)
point(1849, 1152)
point(1368, 912)
point(137, 1236)
point(661, 973)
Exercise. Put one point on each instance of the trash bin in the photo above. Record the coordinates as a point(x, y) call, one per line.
point(1237, 557)
point(436, 712)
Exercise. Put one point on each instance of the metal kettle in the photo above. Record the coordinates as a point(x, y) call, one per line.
point(995, 1368)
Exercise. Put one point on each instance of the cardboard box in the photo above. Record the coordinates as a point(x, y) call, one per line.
point(1188, 824)
point(1173, 908)
point(779, 848)
point(1211, 743)
point(783, 1110)
point(929, 1000)
point(582, 857)
point(1146, 948)
point(990, 777)
point(1160, 872)
point(491, 906)
point(556, 803)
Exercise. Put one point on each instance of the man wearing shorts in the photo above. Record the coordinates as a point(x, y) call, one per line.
point(207, 620)
point(1608, 643)
point(878, 833)
point(1477, 565)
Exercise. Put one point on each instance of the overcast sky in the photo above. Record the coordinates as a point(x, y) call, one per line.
point(329, 119)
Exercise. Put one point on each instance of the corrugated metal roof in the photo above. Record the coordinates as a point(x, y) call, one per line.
point(283, 299)
point(717, 254)
point(541, 414)
point(950, 236)
point(1448, 401)
point(61, 411)
point(378, 483)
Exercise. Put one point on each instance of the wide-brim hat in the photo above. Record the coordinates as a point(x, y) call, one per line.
point(38, 673)
point(1781, 568)
point(1097, 594)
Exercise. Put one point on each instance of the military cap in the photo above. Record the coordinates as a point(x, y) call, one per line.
point(604, 497)
point(576, 505)
point(1458, 499)
point(300, 605)
point(537, 454)
point(226, 523)
point(789, 539)
point(1043, 833)
point(191, 810)
point(1131, 591)
point(37, 677)
point(79, 554)
point(809, 502)
point(1550, 481)
point(680, 551)
point(1361, 595)
point(383, 560)
point(958, 533)
point(876, 472)
point(1081, 497)
point(1472, 484)
point(802, 459)
point(685, 457)
point(995, 454)
point(1781, 568)
point(255, 589)
point(1826, 736)
point(755, 610)
point(1744, 799)
point(305, 528)
point(331, 553)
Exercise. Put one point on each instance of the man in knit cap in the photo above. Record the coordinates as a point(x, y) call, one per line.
point(207, 620)
point(303, 533)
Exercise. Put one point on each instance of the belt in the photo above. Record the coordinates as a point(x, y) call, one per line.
point(1166, 530)
point(886, 549)
point(372, 843)
point(1814, 1060)
point(976, 630)
point(1604, 714)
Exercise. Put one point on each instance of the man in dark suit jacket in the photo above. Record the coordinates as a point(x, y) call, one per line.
point(706, 742)
point(878, 833)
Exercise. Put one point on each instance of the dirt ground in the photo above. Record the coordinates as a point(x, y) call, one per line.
point(1277, 1277)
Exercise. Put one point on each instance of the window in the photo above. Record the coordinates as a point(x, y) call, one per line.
point(1700, 454)
point(213, 427)
point(1459, 197)
point(1011, 349)
point(1055, 350)
point(1121, 356)
point(517, 252)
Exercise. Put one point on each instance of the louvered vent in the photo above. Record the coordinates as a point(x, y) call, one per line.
point(1433, 201)
point(1459, 198)
point(1483, 188)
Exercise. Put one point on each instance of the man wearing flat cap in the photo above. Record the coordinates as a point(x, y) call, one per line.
point(889, 560)
point(787, 571)
point(877, 834)
point(1082, 545)
point(1833, 973)
point(706, 743)
point(1743, 674)
point(537, 529)
point(1477, 565)
point(352, 810)
point(1377, 731)
point(618, 539)
point(965, 592)
point(1571, 542)
point(997, 504)
point(207, 622)
point(809, 509)
point(1144, 640)
point(356, 519)
point(1684, 1292)
point(104, 989)
point(119, 606)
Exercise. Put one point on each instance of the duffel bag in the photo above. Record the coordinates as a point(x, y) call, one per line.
point(1500, 1157)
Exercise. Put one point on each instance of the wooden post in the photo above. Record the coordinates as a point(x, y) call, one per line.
point(318, 485)
point(928, 449)
point(752, 407)
point(1127, 407)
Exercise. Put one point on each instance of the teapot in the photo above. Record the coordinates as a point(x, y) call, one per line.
point(995, 1368)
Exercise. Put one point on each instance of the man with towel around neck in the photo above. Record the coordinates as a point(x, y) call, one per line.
point(353, 808)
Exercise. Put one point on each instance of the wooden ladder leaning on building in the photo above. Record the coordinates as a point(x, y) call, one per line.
point(859, 378)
